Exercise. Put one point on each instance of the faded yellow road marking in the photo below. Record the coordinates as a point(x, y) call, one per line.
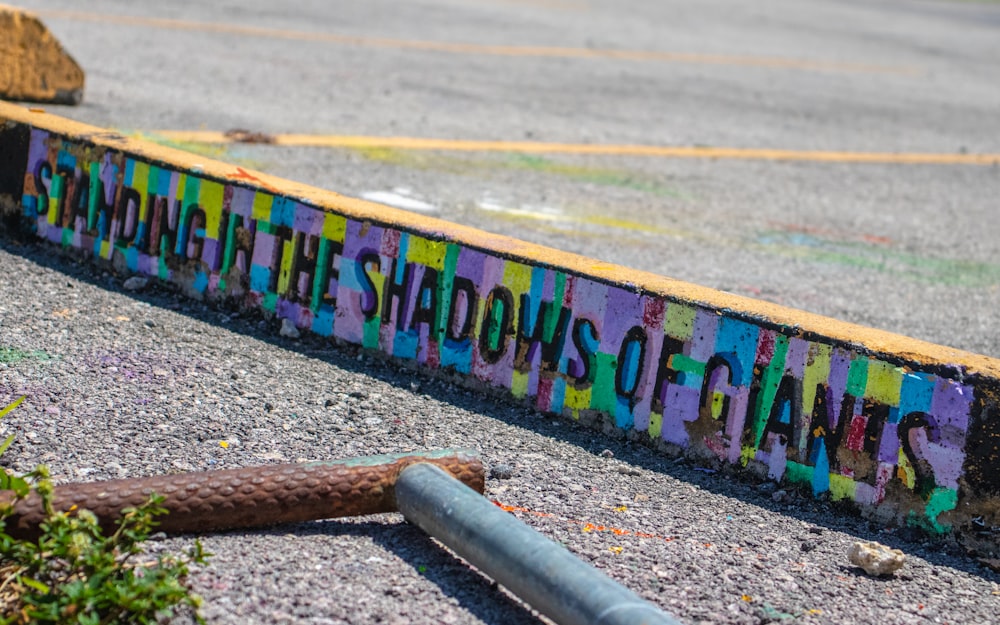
point(530, 147)
point(486, 49)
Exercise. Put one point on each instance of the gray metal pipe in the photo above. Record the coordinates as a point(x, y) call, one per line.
point(542, 573)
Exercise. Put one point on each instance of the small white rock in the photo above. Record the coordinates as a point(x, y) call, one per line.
point(288, 329)
point(875, 558)
point(135, 283)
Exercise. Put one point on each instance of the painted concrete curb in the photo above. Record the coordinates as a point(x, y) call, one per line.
point(907, 430)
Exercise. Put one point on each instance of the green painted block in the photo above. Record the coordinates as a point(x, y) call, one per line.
point(770, 379)
point(603, 395)
point(370, 339)
point(270, 301)
point(798, 473)
point(680, 362)
point(941, 500)
point(857, 377)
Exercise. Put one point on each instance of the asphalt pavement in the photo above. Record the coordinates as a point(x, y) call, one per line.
point(124, 384)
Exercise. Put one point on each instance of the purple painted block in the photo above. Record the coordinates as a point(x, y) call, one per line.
point(864, 494)
point(211, 254)
point(54, 234)
point(423, 351)
point(175, 178)
point(702, 344)
point(294, 311)
point(549, 286)
point(492, 275)
point(888, 447)
point(680, 405)
point(37, 149)
point(624, 310)
point(355, 242)
point(946, 462)
point(349, 324)
point(108, 177)
point(840, 363)
point(412, 297)
point(242, 202)
point(498, 373)
point(590, 300)
point(470, 265)
point(263, 249)
point(308, 220)
point(795, 359)
point(149, 265)
point(951, 404)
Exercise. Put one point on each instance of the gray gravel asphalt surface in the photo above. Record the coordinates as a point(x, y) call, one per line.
point(123, 384)
point(126, 384)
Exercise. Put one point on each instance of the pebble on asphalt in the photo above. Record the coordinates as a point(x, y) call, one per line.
point(502, 471)
point(135, 283)
point(288, 329)
point(875, 558)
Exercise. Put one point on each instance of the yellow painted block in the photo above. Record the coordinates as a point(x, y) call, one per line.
point(262, 206)
point(287, 258)
point(426, 252)
point(519, 385)
point(884, 382)
point(679, 321)
point(817, 371)
point(378, 279)
point(517, 278)
point(655, 425)
point(140, 182)
point(842, 487)
point(718, 400)
point(181, 185)
point(904, 470)
point(53, 209)
point(577, 400)
point(210, 198)
point(334, 227)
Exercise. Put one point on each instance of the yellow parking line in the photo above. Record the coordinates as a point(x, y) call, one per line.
point(529, 147)
point(486, 49)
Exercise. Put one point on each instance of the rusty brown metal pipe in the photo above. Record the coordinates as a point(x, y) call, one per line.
point(250, 497)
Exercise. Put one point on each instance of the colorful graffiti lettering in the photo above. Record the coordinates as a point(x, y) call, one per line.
point(804, 410)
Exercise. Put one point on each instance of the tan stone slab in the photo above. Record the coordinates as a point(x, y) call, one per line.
point(33, 64)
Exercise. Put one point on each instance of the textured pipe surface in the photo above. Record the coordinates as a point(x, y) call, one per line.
point(545, 575)
point(251, 497)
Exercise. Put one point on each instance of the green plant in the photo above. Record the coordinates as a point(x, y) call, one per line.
point(73, 573)
point(8, 481)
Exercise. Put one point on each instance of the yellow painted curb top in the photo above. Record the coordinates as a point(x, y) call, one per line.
point(905, 429)
point(537, 147)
